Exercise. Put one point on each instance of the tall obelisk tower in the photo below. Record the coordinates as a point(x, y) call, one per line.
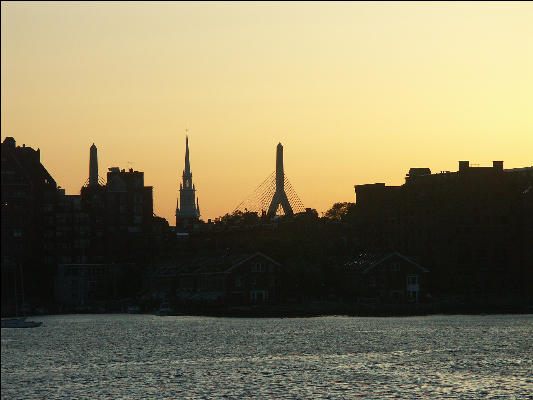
point(187, 208)
point(280, 197)
point(93, 166)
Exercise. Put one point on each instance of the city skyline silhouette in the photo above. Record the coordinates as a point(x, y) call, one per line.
point(387, 253)
point(359, 92)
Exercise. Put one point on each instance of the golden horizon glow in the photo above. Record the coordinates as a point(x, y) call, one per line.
point(356, 92)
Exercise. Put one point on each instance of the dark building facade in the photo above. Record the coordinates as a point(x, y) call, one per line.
point(120, 216)
point(231, 280)
point(72, 229)
point(119, 211)
point(109, 227)
point(43, 227)
point(471, 228)
point(129, 204)
point(29, 194)
point(386, 278)
point(90, 287)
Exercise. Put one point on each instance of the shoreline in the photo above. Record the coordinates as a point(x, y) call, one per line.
point(317, 310)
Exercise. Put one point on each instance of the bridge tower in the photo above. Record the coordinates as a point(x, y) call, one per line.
point(280, 197)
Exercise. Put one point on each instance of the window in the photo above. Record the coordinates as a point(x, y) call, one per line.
point(395, 267)
point(258, 267)
point(259, 296)
point(412, 279)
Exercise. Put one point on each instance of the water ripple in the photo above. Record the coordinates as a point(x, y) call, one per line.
point(140, 356)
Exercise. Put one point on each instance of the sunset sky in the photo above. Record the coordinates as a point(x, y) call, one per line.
point(356, 92)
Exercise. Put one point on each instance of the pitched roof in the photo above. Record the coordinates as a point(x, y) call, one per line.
point(361, 261)
point(208, 265)
point(364, 262)
point(258, 253)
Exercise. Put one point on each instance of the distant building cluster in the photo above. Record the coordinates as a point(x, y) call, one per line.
point(44, 229)
point(474, 227)
point(467, 233)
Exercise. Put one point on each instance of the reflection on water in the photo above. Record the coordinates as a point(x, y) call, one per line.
point(141, 356)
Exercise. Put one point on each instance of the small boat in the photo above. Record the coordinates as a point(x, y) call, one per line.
point(19, 323)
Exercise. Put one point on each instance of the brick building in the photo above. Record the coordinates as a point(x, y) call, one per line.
point(472, 227)
point(42, 226)
point(386, 278)
point(231, 280)
point(29, 194)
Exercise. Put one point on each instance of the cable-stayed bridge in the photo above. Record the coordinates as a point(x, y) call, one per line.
point(275, 195)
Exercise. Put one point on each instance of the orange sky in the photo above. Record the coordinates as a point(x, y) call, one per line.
point(356, 92)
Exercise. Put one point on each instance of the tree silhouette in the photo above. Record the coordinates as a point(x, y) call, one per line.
point(343, 212)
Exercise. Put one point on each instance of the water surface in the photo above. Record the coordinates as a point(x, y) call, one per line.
point(144, 356)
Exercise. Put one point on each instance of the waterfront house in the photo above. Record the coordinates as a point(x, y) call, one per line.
point(86, 286)
point(231, 280)
point(386, 278)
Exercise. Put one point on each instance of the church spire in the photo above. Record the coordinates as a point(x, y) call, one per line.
point(186, 209)
point(187, 162)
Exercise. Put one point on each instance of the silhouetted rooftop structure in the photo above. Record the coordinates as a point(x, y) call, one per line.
point(470, 226)
point(28, 231)
point(187, 204)
point(363, 262)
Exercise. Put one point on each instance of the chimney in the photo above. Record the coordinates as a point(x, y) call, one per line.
point(497, 165)
point(464, 165)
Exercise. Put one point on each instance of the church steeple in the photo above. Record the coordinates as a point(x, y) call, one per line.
point(187, 170)
point(186, 209)
point(187, 174)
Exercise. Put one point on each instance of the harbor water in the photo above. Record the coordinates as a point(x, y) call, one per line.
point(146, 356)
